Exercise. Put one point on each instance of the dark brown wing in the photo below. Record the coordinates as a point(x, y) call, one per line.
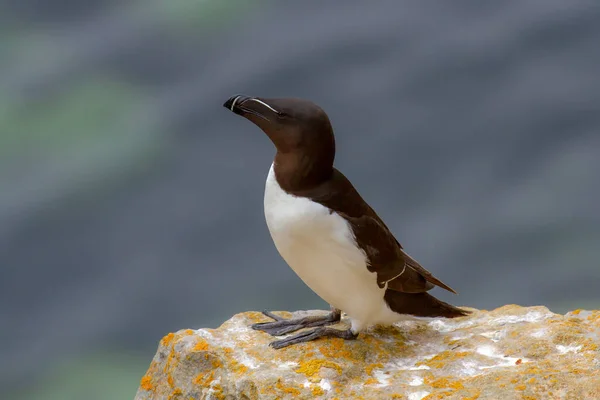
point(414, 265)
point(387, 258)
point(385, 254)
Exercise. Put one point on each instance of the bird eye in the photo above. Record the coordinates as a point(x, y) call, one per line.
point(282, 114)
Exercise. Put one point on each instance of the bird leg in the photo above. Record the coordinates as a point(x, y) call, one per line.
point(281, 326)
point(317, 333)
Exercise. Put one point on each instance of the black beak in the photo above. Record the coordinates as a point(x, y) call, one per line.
point(241, 105)
point(233, 103)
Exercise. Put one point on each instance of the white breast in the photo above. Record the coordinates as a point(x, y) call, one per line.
point(320, 247)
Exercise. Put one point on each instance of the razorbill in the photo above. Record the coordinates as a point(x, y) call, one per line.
point(327, 233)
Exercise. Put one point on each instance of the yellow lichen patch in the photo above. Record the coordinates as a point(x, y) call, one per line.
point(204, 379)
point(217, 392)
point(440, 360)
point(594, 317)
point(474, 395)
point(443, 383)
point(396, 396)
point(317, 391)
point(521, 387)
point(286, 389)
point(254, 353)
point(371, 381)
point(167, 339)
point(238, 368)
point(371, 367)
point(146, 383)
point(567, 338)
point(172, 360)
point(533, 370)
point(170, 380)
point(175, 393)
point(255, 316)
point(311, 367)
point(376, 346)
point(188, 332)
point(201, 345)
point(335, 348)
point(576, 312)
point(216, 363)
point(589, 345)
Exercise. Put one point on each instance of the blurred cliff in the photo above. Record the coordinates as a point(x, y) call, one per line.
point(131, 201)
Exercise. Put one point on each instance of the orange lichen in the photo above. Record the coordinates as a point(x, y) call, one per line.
point(216, 363)
point(167, 339)
point(312, 367)
point(475, 395)
point(317, 391)
point(371, 381)
point(518, 362)
point(440, 360)
point(335, 348)
point(204, 379)
point(396, 396)
point(217, 392)
point(267, 390)
point(590, 347)
point(443, 383)
point(521, 387)
point(533, 370)
point(371, 367)
point(175, 393)
point(576, 312)
point(238, 368)
point(170, 380)
point(285, 389)
point(146, 383)
point(171, 359)
point(201, 345)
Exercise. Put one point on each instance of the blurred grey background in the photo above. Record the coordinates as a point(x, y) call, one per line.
point(131, 200)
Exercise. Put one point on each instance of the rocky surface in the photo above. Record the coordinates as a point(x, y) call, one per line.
point(509, 353)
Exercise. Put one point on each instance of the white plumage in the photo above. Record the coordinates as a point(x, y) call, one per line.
point(320, 247)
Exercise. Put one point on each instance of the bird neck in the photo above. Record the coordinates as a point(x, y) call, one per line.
point(296, 171)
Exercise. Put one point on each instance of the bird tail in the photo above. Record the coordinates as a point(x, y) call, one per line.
point(421, 305)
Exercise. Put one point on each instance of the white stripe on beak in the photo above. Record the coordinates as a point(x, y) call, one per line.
point(264, 104)
point(234, 101)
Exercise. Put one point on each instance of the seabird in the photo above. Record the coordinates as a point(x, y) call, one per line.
point(330, 237)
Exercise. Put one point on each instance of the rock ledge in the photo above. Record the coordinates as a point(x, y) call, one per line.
point(509, 353)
